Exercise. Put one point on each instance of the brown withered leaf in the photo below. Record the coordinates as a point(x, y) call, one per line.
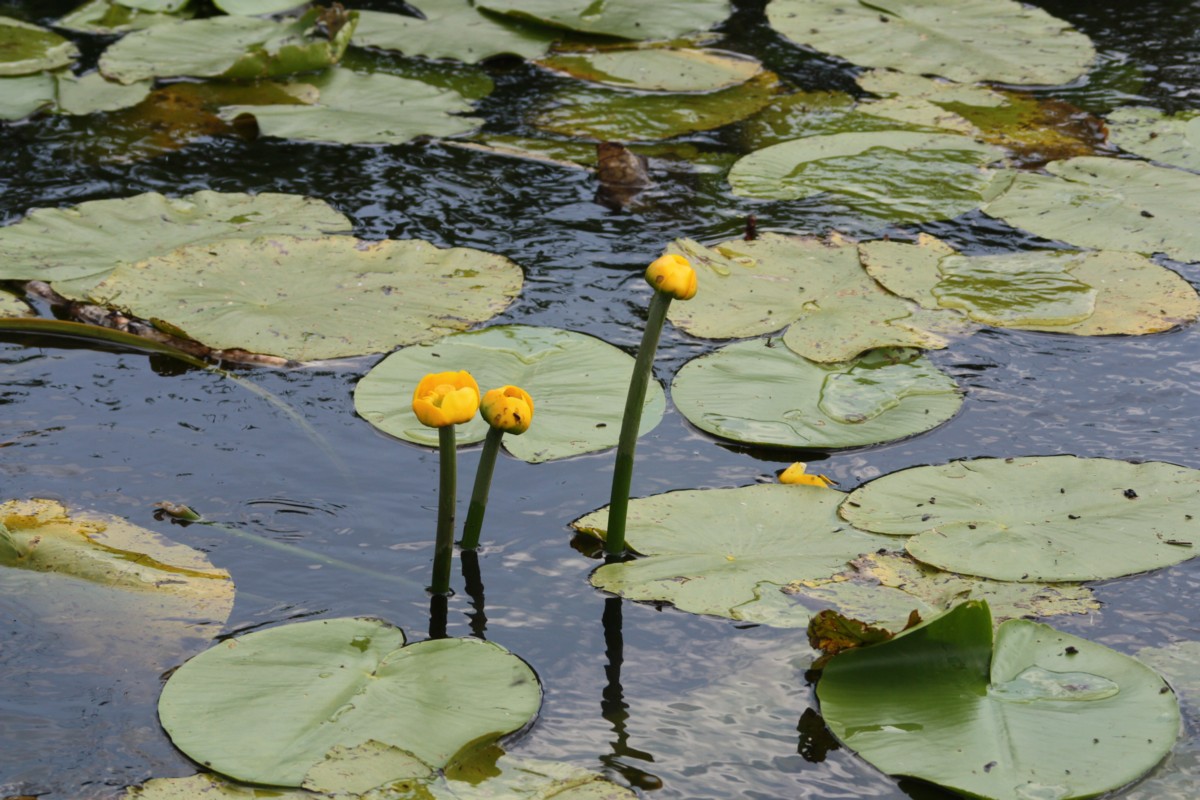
point(831, 633)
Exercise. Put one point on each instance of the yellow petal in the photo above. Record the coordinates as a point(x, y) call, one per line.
point(797, 474)
point(509, 408)
point(446, 398)
point(673, 275)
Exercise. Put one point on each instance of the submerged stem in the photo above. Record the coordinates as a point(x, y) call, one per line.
point(443, 548)
point(483, 484)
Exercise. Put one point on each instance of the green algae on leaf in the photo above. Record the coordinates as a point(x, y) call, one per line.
point(1168, 139)
point(452, 29)
point(656, 69)
point(26, 49)
point(623, 19)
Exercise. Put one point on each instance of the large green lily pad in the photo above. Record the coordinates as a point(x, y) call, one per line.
point(578, 384)
point(1064, 291)
point(23, 95)
point(1107, 204)
point(234, 47)
point(247, 8)
point(109, 17)
point(902, 176)
point(760, 392)
point(1057, 518)
point(1036, 714)
point(304, 298)
point(452, 29)
point(268, 706)
point(1148, 132)
point(355, 108)
point(1002, 41)
point(93, 93)
point(26, 49)
point(76, 247)
point(1179, 662)
point(707, 551)
point(624, 19)
point(656, 69)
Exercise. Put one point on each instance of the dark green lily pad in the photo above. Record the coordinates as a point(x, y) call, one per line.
point(26, 49)
point(1037, 714)
point(310, 298)
point(452, 29)
point(1148, 132)
point(896, 175)
point(268, 707)
point(23, 95)
point(578, 384)
point(760, 392)
point(1058, 518)
point(624, 19)
point(657, 69)
point(108, 17)
point(1001, 41)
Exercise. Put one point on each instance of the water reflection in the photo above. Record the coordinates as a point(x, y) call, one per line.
point(614, 708)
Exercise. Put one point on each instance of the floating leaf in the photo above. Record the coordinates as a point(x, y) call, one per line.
point(1001, 41)
point(1148, 132)
point(1107, 204)
point(13, 306)
point(814, 113)
point(1057, 518)
point(367, 766)
point(26, 49)
point(268, 706)
point(353, 108)
point(896, 175)
point(109, 17)
point(92, 93)
point(657, 69)
point(625, 19)
point(249, 8)
point(159, 6)
point(1179, 662)
point(833, 633)
point(706, 551)
point(24, 95)
point(578, 382)
point(758, 392)
point(307, 298)
point(1037, 714)
point(451, 29)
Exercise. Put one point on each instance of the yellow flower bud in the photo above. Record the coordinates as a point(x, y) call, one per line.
point(673, 275)
point(509, 408)
point(796, 474)
point(446, 398)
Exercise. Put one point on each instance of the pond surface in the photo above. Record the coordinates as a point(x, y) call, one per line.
point(676, 705)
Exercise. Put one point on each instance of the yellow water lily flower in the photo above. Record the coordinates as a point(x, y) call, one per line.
point(797, 474)
point(673, 275)
point(446, 398)
point(509, 408)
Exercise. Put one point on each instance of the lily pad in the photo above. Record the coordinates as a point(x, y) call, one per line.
point(26, 49)
point(1064, 291)
point(77, 247)
point(24, 95)
point(452, 29)
point(759, 392)
point(1036, 714)
point(657, 69)
point(1148, 132)
point(624, 19)
point(1107, 204)
point(249, 8)
point(238, 48)
point(354, 108)
point(93, 93)
point(1179, 662)
point(896, 175)
point(268, 706)
point(107, 17)
point(812, 113)
point(1057, 518)
point(160, 6)
point(1001, 41)
point(707, 551)
point(306, 298)
point(578, 384)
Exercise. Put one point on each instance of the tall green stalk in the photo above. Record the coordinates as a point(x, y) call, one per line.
point(443, 547)
point(479, 494)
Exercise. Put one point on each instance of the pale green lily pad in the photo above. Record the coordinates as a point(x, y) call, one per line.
point(622, 116)
point(1148, 132)
point(26, 49)
point(707, 551)
point(1038, 714)
point(578, 384)
point(13, 306)
point(896, 175)
point(1107, 204)
point(1179, 662)
point(108, 17)
point(92, 93)
point(250, 8)
point(760, 392)
point(451, 29)
point(353, 108)
point(213, 787)
point(657, 69)
point(1058, 518)
point(268, 706)
point(367, 766)
point(306, 298)
point(24, 95)
point(76, 247)
point(237, 48)
point(157, 6)
point(1064, 291)
point(625, 19)
point(1002, 41)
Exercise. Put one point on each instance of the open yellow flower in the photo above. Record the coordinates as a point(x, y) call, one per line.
point(797, 474)
point(673, 275)
point(509, 408)
point(446, 398)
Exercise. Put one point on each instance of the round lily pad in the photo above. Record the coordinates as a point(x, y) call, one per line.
point(1148, 132)
point(1036, 714)
point(760, 392)
point(578, 384)
point(1107, 204)
point(657, 69)
point(1002, 41)
point(1057, 518)
point(268, 706)
point(26, 49)
point(309, 299)
point(896, 175)
point(451, 29)
point(624, 19)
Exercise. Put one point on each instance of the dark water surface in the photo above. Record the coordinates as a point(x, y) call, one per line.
point(677, 705)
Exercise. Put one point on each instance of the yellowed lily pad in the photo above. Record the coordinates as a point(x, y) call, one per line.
point(657, 69)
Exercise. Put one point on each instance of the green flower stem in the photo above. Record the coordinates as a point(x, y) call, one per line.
point(483, 483)
point(618, 506)
point(443, 548)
